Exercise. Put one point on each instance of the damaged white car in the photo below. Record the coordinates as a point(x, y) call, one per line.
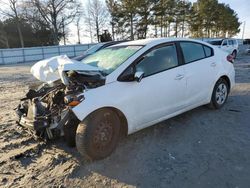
point(122, 89)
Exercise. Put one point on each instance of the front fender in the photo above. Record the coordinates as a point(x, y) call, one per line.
point(94, 100)
point(85, 108)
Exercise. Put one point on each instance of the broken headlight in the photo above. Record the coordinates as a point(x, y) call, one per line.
point(73, 100)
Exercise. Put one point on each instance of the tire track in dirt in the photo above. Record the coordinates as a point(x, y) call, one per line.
point(15, 143)
point(16, 153)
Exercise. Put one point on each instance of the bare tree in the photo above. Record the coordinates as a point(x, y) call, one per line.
point(3, 37)
point(13, 12)
point(56, 13)
point(78, 30)
point(96, 15)
point(78, 26)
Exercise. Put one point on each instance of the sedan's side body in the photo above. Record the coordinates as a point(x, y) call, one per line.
point(164, 93)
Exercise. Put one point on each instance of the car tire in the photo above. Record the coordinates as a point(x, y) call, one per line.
point(220, 94)
point(98, 135)
point(234, 54)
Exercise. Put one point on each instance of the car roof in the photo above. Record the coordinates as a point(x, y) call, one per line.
point(155, 41)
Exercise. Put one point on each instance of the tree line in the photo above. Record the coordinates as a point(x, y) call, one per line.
point(172, 18)
point(47, 22)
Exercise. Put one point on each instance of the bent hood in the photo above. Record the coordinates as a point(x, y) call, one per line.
point(48, 70)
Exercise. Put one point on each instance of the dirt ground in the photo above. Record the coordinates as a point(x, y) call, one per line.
point(201, 148)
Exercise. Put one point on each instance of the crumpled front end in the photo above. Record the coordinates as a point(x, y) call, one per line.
point(47, 111)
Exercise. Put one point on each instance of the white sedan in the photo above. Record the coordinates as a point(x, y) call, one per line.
point(127, 87)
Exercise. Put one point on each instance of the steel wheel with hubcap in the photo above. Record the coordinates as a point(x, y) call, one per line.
point(220, 94)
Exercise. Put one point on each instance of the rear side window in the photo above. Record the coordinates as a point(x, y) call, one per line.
point(208, 51)
point(230, 42)
point(192, 51)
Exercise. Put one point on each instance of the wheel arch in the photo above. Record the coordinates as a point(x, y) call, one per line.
point(226, 78)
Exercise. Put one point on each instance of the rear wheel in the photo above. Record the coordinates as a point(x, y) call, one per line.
point(220, 94)
point(98, 135)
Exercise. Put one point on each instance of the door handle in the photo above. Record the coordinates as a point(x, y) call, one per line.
point(179, 77)
point(213, 64)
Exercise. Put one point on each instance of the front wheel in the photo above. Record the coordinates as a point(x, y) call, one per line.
point(98, 135)
point(220, 94)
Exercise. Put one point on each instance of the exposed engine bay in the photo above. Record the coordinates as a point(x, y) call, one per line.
point(47, 109)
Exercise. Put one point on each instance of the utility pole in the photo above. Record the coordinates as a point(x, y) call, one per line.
point(243, 32)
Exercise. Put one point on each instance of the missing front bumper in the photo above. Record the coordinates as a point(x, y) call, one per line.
point(47, 127)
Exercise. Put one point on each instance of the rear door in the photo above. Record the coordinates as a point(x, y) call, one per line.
point(200, 70)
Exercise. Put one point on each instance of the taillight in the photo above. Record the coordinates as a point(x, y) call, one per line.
point(230, 58)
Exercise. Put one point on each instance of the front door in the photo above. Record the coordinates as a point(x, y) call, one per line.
point(161, 91)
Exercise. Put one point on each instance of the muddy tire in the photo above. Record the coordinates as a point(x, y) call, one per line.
point(220, 94)
point(98, 135)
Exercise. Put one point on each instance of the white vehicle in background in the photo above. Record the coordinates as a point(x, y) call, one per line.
point(124, 88)
point(229, 45)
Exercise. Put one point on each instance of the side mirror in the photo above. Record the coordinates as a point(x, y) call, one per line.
point(128, 75)
point(138, 76)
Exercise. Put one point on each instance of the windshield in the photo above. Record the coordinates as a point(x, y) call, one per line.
point(109, 59)
point(216, 42)
point(93, 48)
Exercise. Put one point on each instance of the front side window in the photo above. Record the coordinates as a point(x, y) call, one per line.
point(192, 51)
point(158, 60)
point(109, 59)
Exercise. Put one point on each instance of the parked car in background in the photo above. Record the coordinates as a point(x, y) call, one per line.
point(96, 48)
point(229, 45)
point(246, 42)
point(124, 88)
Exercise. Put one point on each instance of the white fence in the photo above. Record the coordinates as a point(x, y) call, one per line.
point(21, 55)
